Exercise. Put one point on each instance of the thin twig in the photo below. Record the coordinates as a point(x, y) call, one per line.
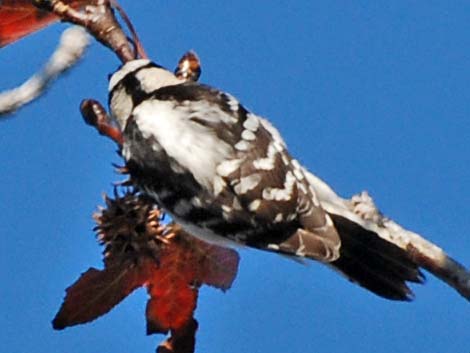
point(71, 48)
point(139, 48)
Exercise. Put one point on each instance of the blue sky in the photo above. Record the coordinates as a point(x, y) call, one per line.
point(368, 94)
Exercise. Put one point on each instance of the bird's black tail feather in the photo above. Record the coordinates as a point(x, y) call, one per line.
point(374, 263)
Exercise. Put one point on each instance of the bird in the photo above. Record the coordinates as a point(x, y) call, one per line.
point(226, 176)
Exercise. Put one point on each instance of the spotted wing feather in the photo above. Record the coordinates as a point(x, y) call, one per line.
point(262, 181)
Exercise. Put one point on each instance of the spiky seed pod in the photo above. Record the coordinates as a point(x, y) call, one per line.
point(130, 227)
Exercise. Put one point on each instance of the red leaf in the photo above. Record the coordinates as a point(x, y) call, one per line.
point(139, 251)
point(96, 292)
point(18, 18)
point(172, 282)
point(217, 267)
point(173, 297)
point(184, 266)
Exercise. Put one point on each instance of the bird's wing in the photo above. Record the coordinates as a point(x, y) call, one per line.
point(265, 182)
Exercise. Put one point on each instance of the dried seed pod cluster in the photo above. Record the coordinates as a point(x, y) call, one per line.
point(129, 227)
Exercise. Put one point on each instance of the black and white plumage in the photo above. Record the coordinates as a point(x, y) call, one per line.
point(225, 175)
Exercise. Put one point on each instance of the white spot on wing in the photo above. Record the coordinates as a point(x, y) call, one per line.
point(276, 194)
point(285, 158)
point(248, 135)
point(251, 123)
point(232, 102)
point(266, 163)
point(278, 146)
point(254, 205)
point(228, 167)
point(242, 145)
point(298, 174)
point(247, 183)
point(280, 194)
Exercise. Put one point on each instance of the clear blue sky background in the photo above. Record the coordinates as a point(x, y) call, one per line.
point(368, 94)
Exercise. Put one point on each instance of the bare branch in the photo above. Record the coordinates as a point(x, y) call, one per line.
point(71, 48)
point(99, 20)
point(139, 48)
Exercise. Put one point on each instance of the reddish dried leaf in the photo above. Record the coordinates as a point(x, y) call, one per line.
point(140, 251)
point(218, 266)
point(172, 295)
point(96, 292)
point(184, 266)
point(18, 18)
point(171, 307)
point(182, 342)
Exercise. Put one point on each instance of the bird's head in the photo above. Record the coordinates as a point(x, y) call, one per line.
point(132, 82)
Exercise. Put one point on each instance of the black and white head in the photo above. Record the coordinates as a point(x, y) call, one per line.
point(131, 82)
